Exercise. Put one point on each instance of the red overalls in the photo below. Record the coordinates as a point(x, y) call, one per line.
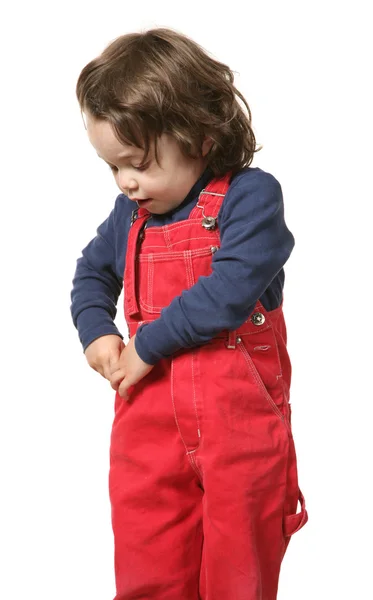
point(203, 474)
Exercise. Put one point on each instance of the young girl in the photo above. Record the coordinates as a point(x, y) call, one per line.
point(203, 476)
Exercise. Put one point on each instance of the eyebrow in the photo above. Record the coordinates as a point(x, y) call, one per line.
point(119, 156)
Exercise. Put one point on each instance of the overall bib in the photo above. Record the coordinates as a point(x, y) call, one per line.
point(203, 473)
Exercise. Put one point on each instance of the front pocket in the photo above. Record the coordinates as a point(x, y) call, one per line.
point(262, 358)
point(161, 277)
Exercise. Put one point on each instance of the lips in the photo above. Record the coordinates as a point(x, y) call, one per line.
point(141, 202)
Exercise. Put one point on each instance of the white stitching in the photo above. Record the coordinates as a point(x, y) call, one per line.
point(172, 226)
point(150, 280)
point(167, 236)
point(173, 404)
point(194, 396)
point(194, 464)
point(189, 268)
point(167, 256)
point(262, 387)
point(188, 239)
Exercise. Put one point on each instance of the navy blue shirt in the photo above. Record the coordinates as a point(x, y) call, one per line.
point(255, 245)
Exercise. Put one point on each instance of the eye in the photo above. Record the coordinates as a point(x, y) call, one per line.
point(141, 167)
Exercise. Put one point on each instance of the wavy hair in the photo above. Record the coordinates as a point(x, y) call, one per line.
point(161, 82)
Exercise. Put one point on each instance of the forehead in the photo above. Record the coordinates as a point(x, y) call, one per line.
point(103, 139)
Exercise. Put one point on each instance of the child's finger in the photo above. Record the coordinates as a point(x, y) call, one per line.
point(116, 378)
point(106, 372)
point(115, 386)
point(119, 371)
point(125, 388)
point(114, 365)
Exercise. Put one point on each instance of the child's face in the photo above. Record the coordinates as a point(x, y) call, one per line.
point(158, 188)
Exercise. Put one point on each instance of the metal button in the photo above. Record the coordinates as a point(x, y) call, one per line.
point(214, 249)
point(209, 223)
point(238, 340)
point(258, 318)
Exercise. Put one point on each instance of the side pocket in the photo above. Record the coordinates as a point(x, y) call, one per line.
point(261, 355)
point(263, 350)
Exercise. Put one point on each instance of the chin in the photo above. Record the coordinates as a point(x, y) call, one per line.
point(158, 210)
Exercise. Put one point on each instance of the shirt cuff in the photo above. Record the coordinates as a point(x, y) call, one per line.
point(93, 323)
point(152, 344)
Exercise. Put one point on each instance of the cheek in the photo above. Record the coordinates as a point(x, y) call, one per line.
point(155, 185)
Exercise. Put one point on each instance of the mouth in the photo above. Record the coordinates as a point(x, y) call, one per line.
point(142, 202)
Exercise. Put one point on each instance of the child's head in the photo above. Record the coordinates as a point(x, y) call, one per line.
point(159, 91)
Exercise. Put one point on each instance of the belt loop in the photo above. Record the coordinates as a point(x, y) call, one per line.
point(232, 340)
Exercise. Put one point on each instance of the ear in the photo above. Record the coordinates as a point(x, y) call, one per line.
point(207, 145)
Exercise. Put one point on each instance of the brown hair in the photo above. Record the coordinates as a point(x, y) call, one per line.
point(160, 81)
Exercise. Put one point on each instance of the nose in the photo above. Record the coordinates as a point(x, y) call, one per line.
point(128, 185)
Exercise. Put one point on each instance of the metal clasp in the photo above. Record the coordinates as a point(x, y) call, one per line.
point(210, 193)
point(208, 223)
point(134, 215)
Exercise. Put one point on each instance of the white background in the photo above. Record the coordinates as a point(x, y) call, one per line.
point(305, 71)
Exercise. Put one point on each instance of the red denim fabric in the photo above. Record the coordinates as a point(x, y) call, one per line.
point(203, 473)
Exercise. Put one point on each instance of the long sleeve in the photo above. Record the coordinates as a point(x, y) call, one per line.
point(255, 245)
point(97, 285)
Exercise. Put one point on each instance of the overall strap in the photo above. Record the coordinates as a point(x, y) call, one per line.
point(211, 198)
point(138, 221)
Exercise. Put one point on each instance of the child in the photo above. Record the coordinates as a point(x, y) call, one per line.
point(203, 476)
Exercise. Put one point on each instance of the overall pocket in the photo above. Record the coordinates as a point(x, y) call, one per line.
point(163, 276)
point(263, 361)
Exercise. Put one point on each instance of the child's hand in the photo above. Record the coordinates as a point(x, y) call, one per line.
point(103, 354)
point(131, 369)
